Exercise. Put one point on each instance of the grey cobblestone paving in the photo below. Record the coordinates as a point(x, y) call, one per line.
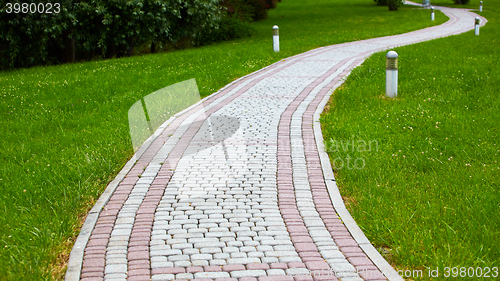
point(233, 189)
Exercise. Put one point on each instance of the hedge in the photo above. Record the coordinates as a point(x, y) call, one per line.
point(84, 29)
point(106, 28)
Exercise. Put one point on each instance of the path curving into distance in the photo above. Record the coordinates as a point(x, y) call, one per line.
point(259, 202)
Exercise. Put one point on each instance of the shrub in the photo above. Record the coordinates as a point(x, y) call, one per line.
point(259, 9)
point(461, 2)
point(193, 18)
point(26, 38)
point(108, 28)
point(229, 28)
point(248, 10)
point(271, 4)
point(394, 4)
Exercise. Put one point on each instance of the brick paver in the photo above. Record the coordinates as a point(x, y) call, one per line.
point(233, 189)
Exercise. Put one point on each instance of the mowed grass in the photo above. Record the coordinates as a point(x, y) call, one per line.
point(427, 190)
point(64, 129)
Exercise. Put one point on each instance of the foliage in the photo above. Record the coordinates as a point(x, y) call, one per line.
point(99, 27)
point(26, 38)
point(248, 10)
point(271, 4)
point(461, 2)
point(394, 4)
point(229, 28)
point(194, 17)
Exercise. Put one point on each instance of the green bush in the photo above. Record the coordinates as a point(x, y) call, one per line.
point(194, 17)
point(107, 28)
point(461, 2)
point(271, 4)
point(248, 10)
point(26, 38)
point(259, 9)
point(229, 28)
point(394, 4)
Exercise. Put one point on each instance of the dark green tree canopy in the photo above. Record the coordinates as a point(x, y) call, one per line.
point(97, 27)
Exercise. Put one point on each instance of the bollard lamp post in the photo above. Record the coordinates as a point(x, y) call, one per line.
point(276, 39)
point(480, 6)
point(391, 74)
point(476, 27)
point(432, 13)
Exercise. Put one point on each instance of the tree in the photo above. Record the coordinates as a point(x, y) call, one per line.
point(108, 28)
point(28, 38)
point(392, 4)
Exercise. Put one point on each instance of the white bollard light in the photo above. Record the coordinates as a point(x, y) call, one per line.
point(276, 39)
point(432, 13)
point(391, 74)
point(480, 6)
point(476, 27)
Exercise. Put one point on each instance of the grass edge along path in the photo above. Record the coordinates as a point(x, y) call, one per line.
point(65, 133)
point(426, 187)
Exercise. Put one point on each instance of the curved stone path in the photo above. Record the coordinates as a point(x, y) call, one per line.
point(237, 187)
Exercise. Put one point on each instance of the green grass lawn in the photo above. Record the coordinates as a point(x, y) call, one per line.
point(64, 129)
point(427, 193)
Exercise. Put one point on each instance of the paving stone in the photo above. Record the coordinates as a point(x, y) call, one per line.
point(115, 268)
point(174, 270)
point(139, 278)
point(353, 279)
point(255, 254)
point(161, 277)
point(113, 260)
point(239, 255)
point(219, 262)
point(199, 262)
point(275, 272)
point(276, 278)
point(211, 250)
point(280, 253)
point(92, 274)
point(247, 273)
point(288, 259)
point(92, 279)
point(297, 271)
point(342, 267)
point(335, 254)
point(183, 263)
point(184, 276)
point(270, 260)
point(212, 274)
point(247, 279)
point(231, 249)
point(233, 267)
point(223, 256)
point(201, 257)
point(161, 264)
point(243, 260)
point(116, 276)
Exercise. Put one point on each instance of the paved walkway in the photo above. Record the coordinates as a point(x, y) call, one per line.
point(237, 187)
